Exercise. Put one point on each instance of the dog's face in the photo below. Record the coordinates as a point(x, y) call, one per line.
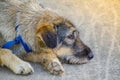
point(64, 39)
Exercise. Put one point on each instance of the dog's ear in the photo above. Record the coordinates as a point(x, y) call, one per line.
point(49, 38)
point(61, 31)
point(46, 36)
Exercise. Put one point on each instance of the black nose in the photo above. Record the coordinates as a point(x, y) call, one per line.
point(85, 53)
point(90, 56)
point(89, 53)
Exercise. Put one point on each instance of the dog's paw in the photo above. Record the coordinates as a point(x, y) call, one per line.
point(55, 67)
point(22, 68)
point(74, 60)
point(14, 63)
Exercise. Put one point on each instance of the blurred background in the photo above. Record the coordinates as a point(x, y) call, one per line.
point(99, 24)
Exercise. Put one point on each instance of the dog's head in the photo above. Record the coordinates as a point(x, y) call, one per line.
point(64, 39)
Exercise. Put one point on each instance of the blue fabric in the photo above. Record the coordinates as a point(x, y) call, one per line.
point(17, 40)
point(16, 27)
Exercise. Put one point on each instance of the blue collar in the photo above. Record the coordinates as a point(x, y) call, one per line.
point(17, 40)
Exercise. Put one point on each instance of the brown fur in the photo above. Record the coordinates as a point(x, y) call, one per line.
point(51, 37)
point(45, 57)
point(8, 59)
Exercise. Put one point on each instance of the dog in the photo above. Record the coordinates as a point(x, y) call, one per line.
point(52, 39)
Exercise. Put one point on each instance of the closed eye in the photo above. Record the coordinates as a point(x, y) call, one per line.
point(74, 34)
point(71, 36)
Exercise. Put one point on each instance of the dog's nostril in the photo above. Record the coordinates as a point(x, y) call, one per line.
point(89, 53)
point(90, 56)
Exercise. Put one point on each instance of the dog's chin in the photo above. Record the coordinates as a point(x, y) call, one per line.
point(74, 60)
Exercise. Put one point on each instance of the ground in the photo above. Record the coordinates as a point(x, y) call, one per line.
point(99, 24)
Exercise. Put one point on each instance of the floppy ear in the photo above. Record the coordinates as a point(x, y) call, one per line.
point(49, 38)
point(61, 30)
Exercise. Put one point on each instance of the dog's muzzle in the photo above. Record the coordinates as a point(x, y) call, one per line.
point(86, 52)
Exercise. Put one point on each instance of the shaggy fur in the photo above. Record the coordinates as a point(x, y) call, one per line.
point(51, 37)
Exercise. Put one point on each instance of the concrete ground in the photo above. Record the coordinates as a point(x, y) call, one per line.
point(99, 24)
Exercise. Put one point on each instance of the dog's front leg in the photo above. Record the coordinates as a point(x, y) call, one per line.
point(11, 61)
point(48, 59)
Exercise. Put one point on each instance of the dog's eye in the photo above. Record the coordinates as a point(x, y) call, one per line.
point(71, 36)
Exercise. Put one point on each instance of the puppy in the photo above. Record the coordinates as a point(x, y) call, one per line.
point(51, 37)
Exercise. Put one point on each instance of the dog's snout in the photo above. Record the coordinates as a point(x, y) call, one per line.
point(85, 52)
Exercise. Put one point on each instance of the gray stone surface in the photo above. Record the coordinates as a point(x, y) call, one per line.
point(99, 24)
